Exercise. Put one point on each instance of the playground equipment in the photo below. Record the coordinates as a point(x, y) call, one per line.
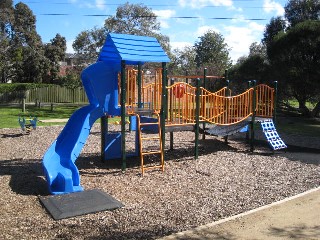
point(114, 89)
point(272, 135)
point(27, 124)
point(100, 84)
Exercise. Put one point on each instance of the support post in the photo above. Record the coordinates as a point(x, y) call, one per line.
point(227, 95)
point(253, 115)
point(123, 114)
point(187, 77)
point(196, 149)
point(104, 132)
point(170, 104)
point(227, 82)
point(275, 100)
point(204, 102)
point(247, 133)
point(163, 105)
point(139, 85)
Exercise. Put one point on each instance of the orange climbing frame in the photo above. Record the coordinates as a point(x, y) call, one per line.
point(215, 107)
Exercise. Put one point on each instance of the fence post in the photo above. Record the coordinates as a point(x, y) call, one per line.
point(23, 104)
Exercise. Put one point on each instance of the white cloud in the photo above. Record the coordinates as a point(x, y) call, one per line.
point(164, 15)
point(272, 6)
point(180, 45)
point(69, 46)
point(100, 4)
point(202, 3)
point(239, 39)
point(204, 29)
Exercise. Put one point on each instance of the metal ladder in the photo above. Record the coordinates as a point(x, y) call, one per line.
point(143, 138)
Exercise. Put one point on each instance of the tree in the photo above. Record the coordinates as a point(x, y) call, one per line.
point(6, 18)
point(213, 53)
point(88, 44)
point(275, 26)
point(135, 19)
point(184, 60)
point(295, 55)
point(55, 52)
point(32, 65)
point(297, 11)
point(255, 66)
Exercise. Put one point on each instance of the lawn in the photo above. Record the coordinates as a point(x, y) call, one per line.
point(9, 115)
point(299, 125)
point(9, 119)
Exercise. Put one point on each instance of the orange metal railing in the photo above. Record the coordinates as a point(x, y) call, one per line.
point(226, 110)
point(264, 101)
point(181, 104)
point(218, 107)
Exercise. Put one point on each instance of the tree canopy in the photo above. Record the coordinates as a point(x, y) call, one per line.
point(296, 57)
point(135, 19)
point(297, 11)
point(24, 58)
point(212, 52)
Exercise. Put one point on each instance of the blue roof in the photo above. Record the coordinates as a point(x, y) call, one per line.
point(133, 49)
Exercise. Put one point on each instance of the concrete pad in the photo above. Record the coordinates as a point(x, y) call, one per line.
point(296, 217)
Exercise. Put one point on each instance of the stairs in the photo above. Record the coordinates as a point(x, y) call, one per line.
point(145, 129)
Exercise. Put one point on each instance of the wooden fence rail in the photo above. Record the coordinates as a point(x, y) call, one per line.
point(52, 94)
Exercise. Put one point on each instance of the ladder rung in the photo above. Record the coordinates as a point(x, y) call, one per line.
point(146, 124)
point(149, 153)
point(150, 138)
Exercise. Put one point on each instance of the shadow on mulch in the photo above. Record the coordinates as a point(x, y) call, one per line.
point(294, 153)
point(12, 135)
point(111, 233)
point(207, 146)
point(26, 176)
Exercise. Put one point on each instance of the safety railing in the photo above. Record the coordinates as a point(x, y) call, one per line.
point(264, 101)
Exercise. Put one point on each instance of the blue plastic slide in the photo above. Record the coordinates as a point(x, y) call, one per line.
point(100, 83)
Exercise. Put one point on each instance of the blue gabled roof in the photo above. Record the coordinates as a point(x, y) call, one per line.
point(133, 49)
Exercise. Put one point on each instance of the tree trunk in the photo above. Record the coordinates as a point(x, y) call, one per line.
point(303, 109)
point(316, 111)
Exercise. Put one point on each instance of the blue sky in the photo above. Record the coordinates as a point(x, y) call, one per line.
point(245, 24)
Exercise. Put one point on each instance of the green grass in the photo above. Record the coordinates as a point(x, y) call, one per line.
point(299, 125)
point(9, 115)
point(295, 103)
point(9, 119)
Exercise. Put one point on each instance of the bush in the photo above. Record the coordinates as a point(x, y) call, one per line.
point(10, 92)
point(18, 87)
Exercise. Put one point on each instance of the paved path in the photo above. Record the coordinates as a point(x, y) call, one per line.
point(297, 217)
point(54, 120)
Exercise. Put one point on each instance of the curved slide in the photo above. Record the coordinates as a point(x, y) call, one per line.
point(100, 83)
point(61, 172)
